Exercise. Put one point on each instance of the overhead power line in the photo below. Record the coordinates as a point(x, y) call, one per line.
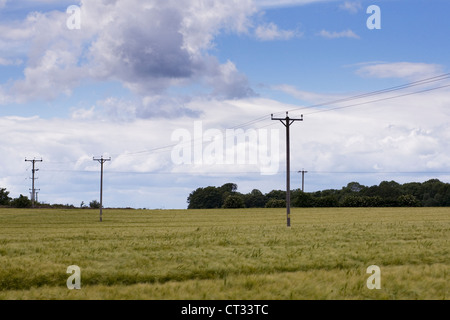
point(379, 100)
point(379, 92)
point(263, 118)
point(342, 100)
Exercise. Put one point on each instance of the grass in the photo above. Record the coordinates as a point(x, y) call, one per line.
point(225, 254)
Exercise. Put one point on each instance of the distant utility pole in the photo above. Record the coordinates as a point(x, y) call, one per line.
point(33, 170)
point(287, 123)
point(303, 179)
point(102, 161)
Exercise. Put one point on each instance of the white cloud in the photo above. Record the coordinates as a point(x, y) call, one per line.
point(152, 47)
point(342, 34)
point(83, 114)
point(352, 7)
point(397, 135)
point(406, 70)
point(148, 47)
point(271, 32)
point(202, 20)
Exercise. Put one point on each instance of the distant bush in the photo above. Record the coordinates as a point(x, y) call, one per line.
point(233, 202)
point(276, 203)
point(21, 202)
point(362, 201)
point(387, 194)
point(4, 198)
point(408, 201)
point(94, 204)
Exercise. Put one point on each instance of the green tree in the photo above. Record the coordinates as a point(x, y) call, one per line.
point(361, 201)
point(4, 198)
point(276, 203)
point(389, 190)
point(327, 201)
point(21, 202)
point(276, 194)
point(407, 200)
point(94, 204)
point(233, 202)
point(211, 197)
point(255, 199)
point(205, 198)
point(228, 187)
point(302, 199)
point(354, 187)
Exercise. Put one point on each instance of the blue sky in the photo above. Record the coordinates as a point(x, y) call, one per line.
point(136, 73)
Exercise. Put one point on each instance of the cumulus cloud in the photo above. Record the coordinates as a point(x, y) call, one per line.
point(147, 46)
point(394, 136)
point(269, 32)
point(227, 81)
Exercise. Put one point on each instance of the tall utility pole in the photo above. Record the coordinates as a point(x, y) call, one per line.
point(287, 123)
point(33, 170)
point(102, 161)
point(303, 179)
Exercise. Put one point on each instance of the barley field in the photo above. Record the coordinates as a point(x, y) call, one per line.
point(225, 254)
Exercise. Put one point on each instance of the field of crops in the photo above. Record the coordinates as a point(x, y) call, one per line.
point(225, 254)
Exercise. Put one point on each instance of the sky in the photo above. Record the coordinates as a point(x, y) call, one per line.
point(180, 95)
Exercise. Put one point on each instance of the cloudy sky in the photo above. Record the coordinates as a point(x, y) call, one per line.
point(180, 95)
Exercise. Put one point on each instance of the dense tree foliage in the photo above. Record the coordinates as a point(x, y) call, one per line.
point(21, 202)
point(275, 203)
point(24, 202)
point(94, 204)
point(387, 194)
point(234, 202)
point(4, 198)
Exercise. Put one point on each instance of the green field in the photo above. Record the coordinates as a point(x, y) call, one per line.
point(225, 254)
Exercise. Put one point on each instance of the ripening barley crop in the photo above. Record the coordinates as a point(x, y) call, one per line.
point(225, 254)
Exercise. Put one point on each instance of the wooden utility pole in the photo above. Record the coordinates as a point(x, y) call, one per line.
point(287, 123)
point(102, 161)
point(303, 179)
point(33, 190)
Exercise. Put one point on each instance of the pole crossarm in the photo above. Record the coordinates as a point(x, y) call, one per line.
point(102, 160)
point(287, 123)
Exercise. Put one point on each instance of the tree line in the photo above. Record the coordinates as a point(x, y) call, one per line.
point(24, 202)
point(432, 193)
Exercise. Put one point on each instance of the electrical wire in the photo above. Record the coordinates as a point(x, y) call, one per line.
point(426, 81)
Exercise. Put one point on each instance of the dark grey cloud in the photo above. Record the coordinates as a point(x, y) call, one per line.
point(151, 49)
point(148, 46)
